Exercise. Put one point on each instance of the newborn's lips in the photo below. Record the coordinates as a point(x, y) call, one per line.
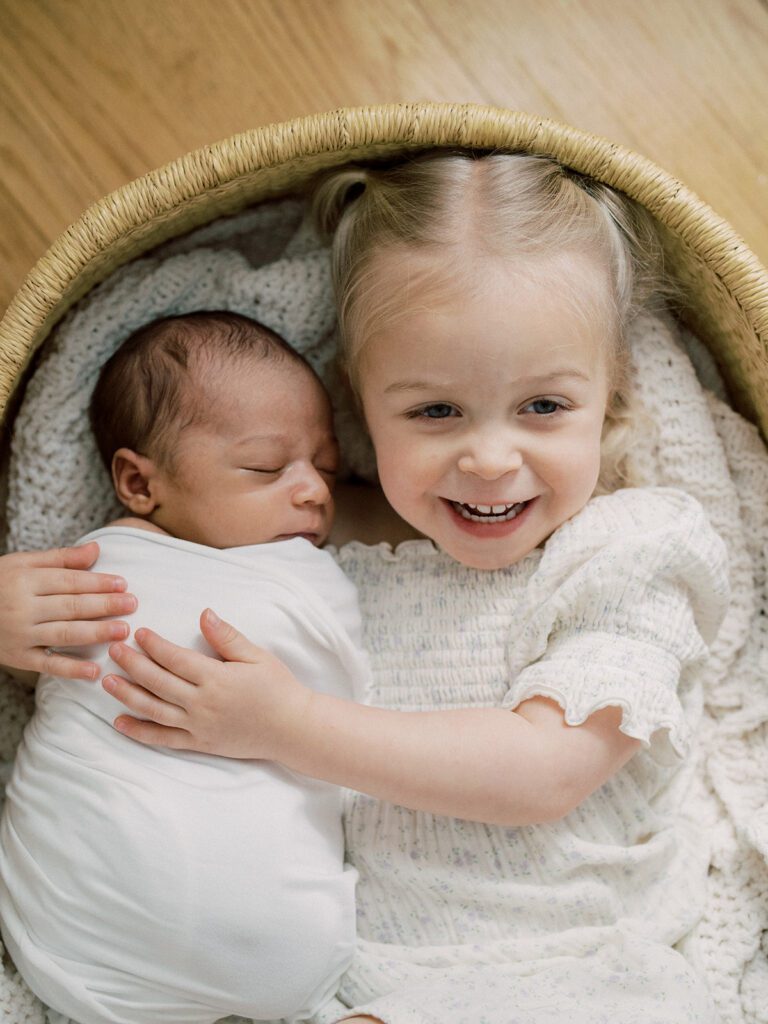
point(314, 537)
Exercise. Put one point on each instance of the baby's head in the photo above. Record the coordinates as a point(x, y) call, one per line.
point(484, 304)
point(216, 431)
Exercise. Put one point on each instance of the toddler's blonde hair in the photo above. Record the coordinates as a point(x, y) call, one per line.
point(515, 206)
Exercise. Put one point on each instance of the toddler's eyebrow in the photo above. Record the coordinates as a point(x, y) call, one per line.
point(556, 376)
point(545, 378)
point(416, 385)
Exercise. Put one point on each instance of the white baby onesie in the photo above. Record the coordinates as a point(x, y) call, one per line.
point(461, 922)
point(139, 884)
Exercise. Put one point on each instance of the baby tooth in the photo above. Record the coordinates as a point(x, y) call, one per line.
point(498, 509)
point(484, 509)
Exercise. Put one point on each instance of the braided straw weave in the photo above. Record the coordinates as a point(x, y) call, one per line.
point(724, 286)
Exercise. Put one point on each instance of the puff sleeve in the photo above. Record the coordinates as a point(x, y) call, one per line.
point(625, 600)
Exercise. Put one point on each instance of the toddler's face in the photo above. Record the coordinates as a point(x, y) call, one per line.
point(486, 410)
point(260, 468)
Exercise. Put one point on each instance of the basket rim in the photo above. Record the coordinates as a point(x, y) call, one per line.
point(344, 135)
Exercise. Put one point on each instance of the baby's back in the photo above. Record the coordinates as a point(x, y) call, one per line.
point(140, 883)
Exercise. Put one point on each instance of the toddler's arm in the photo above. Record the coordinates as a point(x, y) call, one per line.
point(482, 764)
point(48, 599)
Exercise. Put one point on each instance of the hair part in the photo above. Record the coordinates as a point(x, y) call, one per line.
point(152, 388)
point(519, 208)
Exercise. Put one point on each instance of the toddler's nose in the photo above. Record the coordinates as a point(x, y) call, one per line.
point(491, 458)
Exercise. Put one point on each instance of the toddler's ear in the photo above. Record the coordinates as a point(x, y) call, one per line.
point(133, 477)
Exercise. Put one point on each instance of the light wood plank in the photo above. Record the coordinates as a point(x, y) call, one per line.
point(95, 92)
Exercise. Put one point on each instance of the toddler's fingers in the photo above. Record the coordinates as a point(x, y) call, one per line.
point(153, 735)
point(55, 664)
point(192, 666)
point(152, 677)
point(143, 703)
point(228, 641)
point(75, 581)
point(79, 634)
point(80, 557)
point(72, 607)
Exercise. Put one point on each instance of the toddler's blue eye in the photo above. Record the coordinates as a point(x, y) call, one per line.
point(438, 411)
point(544, 406)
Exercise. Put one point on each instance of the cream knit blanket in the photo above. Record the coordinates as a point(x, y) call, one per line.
point(266, 263)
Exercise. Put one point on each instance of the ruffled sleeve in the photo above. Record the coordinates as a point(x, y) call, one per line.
point(625, 600)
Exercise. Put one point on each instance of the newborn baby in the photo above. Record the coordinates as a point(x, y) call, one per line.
point(144, 884)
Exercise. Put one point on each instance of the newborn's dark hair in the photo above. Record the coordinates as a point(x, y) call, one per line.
point(150, 390)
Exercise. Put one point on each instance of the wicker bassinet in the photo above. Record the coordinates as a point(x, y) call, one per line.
point(724, 288)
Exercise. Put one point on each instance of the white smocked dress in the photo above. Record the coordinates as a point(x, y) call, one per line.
point(466, 923)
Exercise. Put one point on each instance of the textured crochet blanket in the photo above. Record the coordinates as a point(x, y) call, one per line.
point(267, 263)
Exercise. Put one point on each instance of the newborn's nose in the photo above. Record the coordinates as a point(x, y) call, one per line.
point(311, 488)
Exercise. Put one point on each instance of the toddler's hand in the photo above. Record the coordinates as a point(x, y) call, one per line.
point(48, 599)
point(242, 707)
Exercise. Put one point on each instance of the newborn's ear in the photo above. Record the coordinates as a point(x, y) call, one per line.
point(134, 477)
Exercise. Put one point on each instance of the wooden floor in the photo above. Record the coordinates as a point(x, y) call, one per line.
point(96, 92)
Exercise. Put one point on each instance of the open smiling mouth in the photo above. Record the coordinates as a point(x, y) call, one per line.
point(489, 513)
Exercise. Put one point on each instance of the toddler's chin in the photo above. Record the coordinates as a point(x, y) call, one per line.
point(488, 566)
point(486, 561)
